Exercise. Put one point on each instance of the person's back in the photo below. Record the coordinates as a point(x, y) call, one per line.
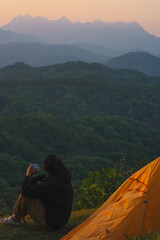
point(60, 202)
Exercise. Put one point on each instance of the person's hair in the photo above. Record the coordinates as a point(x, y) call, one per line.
point(55, 166)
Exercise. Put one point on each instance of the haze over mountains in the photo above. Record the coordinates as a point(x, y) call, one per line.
point(36, 54)
point(100, 49)
point(141, 61)
point(119, 36)
point(8, 36)
point(38, 41)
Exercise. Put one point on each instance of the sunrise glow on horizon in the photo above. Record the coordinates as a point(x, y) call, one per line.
point(145, 12)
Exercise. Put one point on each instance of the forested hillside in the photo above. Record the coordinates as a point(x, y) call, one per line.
point(89, 115)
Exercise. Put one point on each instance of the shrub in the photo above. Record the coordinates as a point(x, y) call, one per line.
point(99, 185)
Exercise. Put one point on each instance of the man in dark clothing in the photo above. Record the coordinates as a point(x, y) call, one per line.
point(46, 198)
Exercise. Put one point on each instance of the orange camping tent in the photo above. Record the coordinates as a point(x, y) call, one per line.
point(134, 209)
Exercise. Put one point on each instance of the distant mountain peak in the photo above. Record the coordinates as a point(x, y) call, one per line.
point(122, 36)
point(136, 24)
point(63, 20)
point(20, 17)
point(28, 18)
point(98, 21)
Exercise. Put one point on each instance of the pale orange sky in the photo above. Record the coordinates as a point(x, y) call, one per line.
point(145, 12)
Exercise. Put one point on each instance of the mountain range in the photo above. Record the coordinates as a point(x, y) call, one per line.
point(100, 49)
point(118, 36)
point(141, 61)
point(36, 54)
point(9, 36)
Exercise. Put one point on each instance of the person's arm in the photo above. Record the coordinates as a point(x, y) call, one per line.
point(30, 190)
point(37, 179)
point(31, 171)
point(37, 191)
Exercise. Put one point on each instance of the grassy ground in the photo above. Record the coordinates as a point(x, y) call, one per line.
point(31, 231)
point(149, 237)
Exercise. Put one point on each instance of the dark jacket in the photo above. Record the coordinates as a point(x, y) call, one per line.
point(55, 192)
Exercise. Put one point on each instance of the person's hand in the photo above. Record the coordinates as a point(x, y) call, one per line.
point(31, 171)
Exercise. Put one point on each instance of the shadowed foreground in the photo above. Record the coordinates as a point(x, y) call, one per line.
point(31, 231)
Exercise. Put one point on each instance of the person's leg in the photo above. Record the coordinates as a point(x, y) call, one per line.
point(20, 209)
point(37, 211)
point(33, 207)
point(19, 212)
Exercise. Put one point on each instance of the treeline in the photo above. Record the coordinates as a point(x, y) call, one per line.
point(89, 115)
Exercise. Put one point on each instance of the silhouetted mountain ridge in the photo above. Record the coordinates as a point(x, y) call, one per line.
point(36, 54)
point(140, 61)
point(9, 36)
point(118, 35)
point(100, 49)
point(72, 70)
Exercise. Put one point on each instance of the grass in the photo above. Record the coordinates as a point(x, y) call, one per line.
point(149, 237)
point(31, 231)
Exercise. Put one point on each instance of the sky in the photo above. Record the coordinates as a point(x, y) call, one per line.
point(145, 12)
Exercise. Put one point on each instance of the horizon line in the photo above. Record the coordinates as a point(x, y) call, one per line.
point(82, 22)
point(64, 17)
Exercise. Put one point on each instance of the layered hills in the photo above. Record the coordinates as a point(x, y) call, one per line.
point(36, 54)
point(118, 36)
point(140, 61)
point(9, 36)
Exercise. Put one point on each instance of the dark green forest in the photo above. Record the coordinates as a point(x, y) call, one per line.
point(87, 114)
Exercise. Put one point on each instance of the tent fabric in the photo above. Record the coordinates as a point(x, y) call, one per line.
point(133, 209)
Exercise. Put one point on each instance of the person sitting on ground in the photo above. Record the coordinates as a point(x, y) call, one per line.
point(46, 198)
